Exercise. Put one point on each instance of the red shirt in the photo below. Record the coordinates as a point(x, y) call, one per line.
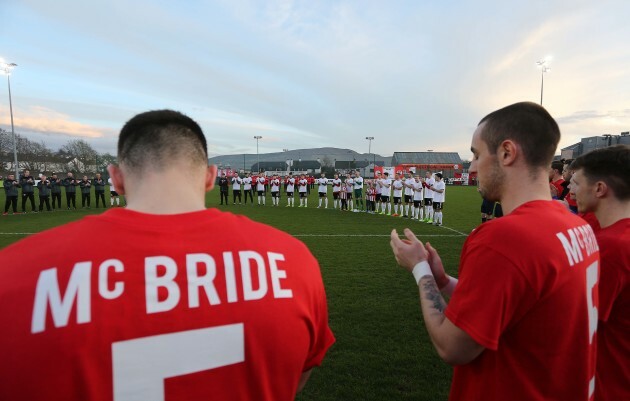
point(524, 295)
point(613, 332)
point(558, 185)
point(591, 219)
point(203, 305)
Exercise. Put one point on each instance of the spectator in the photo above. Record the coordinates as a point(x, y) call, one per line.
point(27, 182)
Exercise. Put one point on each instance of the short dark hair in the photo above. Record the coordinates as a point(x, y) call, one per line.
point(527, 124)
point(611, 165)
point(557, 165)
point(151, 139)
point(438, 175)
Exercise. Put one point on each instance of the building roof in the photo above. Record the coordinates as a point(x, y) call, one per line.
point(425, 158)
point(349, 164)
point(282, 166)
point(593, 142)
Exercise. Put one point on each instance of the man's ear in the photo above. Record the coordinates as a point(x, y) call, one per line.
point(507, 152)
point(211, 176)
point(601, 189)
point(118, 180)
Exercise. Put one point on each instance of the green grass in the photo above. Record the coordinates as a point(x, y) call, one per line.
point(382, 351)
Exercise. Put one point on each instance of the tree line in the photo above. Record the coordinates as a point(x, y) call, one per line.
point(76, 155)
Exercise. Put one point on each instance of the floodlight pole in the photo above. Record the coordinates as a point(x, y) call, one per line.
point(7, 67)
point(543, 69)
point(370, 139)
point(257, 137)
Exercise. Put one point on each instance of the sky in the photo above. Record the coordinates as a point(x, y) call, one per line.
point(415, 75)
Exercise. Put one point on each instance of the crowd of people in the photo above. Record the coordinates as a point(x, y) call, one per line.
point(414, 197)
point(49, 192)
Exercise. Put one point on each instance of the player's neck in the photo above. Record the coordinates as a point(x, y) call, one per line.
point(523, 188)
point(151, 194)
point(611, 210)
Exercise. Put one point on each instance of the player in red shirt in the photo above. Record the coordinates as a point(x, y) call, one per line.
point(601, 184)
point(521, 322)
point(555, 179)
point(183, 303)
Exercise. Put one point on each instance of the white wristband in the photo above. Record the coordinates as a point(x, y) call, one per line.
point(420, 270)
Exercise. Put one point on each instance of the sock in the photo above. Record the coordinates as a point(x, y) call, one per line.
point(383, 206)
point(395, 208)
point(421, 214)
point(430, 214)
point(326, 203)
point(306, 202)
point(389, 208)
point(320, 202)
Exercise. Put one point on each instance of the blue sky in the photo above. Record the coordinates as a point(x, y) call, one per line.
point(416, 75)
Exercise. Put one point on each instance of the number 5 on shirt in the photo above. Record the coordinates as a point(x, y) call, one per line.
point(141, 365)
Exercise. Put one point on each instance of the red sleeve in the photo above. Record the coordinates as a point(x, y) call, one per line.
point(490, 294)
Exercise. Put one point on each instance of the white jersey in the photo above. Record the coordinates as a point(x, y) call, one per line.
point(323, 185)
point(302, 184)
point(379, 186)
point(386, 187)
point(349, 184)
point(417, 191)
point(247, 183)
point(275, 185)
point(236, 183)
point(111, 185)
point(336, 183)
point(260, 183)
point(439, 197)
point(409, 186)
point(398, 187)
point(291, 184)
point(358, 183)
point(427, 191)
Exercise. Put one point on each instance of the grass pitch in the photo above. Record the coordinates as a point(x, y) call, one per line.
point(382, 351)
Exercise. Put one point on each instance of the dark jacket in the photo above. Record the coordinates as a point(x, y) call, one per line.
point(11, 187)
point(86, 186)
point(70, 184)
point(99, 184)
point(28, 184)
point(55, 186)
point(44, 188)
point(223, 184)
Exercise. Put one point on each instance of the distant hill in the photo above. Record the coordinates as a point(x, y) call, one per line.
point(325, 155)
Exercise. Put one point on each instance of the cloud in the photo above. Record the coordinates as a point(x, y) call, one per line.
point(589, 115)
point(43, 120)
point(533, 40)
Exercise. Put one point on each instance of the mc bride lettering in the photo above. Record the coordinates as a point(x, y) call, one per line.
point(160, 273)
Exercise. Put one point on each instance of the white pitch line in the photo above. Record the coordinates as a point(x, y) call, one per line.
point(458, 232)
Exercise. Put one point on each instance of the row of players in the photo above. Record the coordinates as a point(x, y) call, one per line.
point(50, 187)
point(423, 197)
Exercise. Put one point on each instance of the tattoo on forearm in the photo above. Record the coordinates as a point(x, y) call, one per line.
point(432, 293)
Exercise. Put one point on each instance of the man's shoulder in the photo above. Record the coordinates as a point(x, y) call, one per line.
point(614, 241)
